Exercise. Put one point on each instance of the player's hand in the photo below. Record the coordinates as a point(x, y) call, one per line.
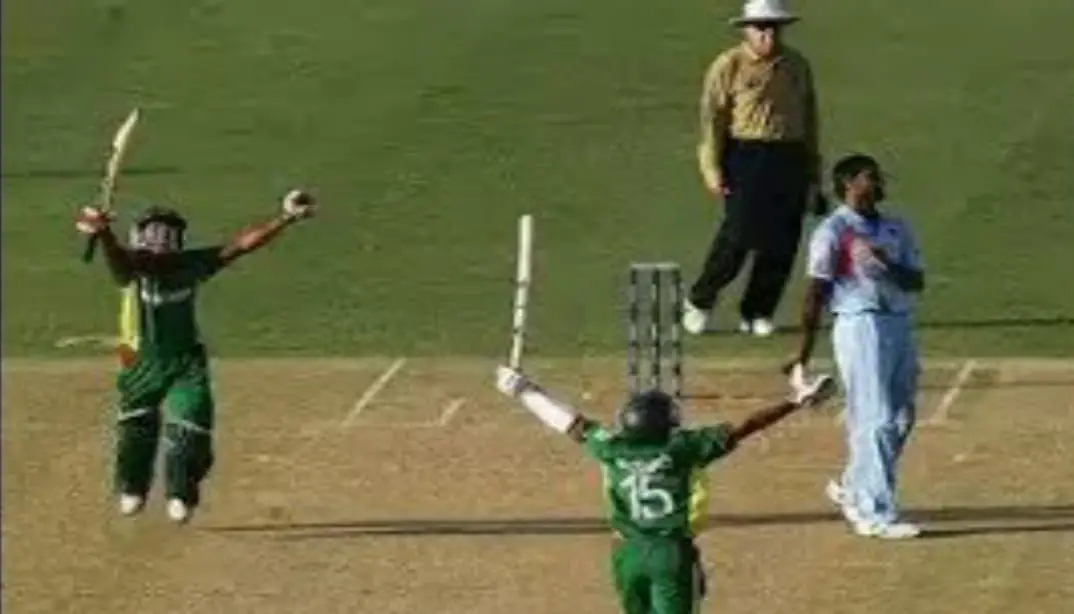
point(92, 220)
point(298, 205)
point(716, 185)
point(511, 382)
point(867, 254)
point(808, 391)
point(880, 255)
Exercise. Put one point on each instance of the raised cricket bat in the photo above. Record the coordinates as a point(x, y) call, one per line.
point(522, 289)
point(120, 145)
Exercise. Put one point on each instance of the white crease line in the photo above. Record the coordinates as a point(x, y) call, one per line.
point(371, 392)
point(402, 426)
point(450, 411)
point(944, 408)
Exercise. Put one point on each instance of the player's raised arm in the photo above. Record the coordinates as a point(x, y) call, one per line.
point(297, 205)
point(804, 393)
point(709, 443)
point(556, 415)
point(562, 418)
point(94, 221)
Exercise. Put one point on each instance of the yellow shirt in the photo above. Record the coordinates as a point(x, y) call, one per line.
point(747, 97)
point(129, 325)
point(699, 501)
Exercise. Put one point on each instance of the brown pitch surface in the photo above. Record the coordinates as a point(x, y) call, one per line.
point(439, 496)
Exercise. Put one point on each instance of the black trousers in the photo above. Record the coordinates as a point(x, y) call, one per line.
point(769, 188)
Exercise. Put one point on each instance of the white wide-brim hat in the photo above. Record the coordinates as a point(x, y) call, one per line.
point(764, 11)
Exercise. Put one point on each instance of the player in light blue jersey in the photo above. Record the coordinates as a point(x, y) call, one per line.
point(864, 265)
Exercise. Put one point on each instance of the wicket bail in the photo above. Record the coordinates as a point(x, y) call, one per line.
point(654, 333)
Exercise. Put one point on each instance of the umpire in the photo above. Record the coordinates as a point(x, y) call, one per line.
point(759, 152)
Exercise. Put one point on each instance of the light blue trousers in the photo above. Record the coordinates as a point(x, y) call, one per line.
point(877, 359)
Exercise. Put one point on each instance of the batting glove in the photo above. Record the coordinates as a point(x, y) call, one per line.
point(298, 205)
point(807, 391)
point(511, 382)
point(92, 220)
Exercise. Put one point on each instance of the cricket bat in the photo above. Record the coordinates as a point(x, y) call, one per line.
point(522, 289)
point(120, 145)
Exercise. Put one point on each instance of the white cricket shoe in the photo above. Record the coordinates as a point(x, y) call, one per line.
point(130, 505)
point(694, 321)
point(835, 493)
point(839, 497)
point(760, 327)
point(178, 511)
point(887, 530)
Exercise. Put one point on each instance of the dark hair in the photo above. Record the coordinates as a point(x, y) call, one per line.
point(849, 167)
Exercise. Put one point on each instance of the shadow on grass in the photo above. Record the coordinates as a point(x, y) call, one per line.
point(993, 520)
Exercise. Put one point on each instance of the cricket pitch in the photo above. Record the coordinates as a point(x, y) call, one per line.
point(409, 485)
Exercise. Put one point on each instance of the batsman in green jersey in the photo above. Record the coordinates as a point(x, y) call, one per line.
point(164, 383)
point(649, 463)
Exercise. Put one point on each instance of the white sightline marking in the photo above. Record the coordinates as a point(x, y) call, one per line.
point(104, 341)
point(944, 408)
point(449, 412)
point(371, 392)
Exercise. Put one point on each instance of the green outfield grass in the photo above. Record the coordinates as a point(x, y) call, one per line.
point(427, 126)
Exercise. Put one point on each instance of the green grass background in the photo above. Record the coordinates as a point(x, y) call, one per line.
point(427, 127)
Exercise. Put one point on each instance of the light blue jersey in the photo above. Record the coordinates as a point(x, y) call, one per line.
point(861, 285)
point(874, 347)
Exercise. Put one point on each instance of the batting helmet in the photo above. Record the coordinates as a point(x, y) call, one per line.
point(648, 416)
point(159, 228)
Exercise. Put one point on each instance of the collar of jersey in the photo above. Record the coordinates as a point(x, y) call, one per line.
point(846, 209)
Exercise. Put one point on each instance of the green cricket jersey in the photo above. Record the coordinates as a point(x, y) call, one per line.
point(649, 486)
point(159, 311)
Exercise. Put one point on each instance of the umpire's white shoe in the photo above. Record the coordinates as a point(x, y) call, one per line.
point(835, 493)
point(886, 530)
point(694, 321)
point(130, 505)
point(178, 511)
point(759, 327)
point(763, 327)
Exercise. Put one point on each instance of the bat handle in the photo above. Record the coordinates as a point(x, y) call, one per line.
point(515, 359)
point(91, 242)
point(91, 247)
